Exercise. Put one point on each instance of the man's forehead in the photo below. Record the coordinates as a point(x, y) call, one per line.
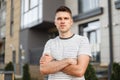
point(62, 14)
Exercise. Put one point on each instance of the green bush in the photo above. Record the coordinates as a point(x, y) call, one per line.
point(115, 72)
point(26, 74)
point(9, 67)
point(90, 73)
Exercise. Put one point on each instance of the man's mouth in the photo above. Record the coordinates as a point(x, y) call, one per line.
point(62, 25)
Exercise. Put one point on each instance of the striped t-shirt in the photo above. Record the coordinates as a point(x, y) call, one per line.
point(60, 48)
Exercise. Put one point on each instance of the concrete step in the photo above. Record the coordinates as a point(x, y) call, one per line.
point(101, 71)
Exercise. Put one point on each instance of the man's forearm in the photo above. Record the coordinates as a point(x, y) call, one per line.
point(78, 69)
point(53, 66)
point(73, 70)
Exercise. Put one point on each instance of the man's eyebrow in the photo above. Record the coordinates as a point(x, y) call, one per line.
point(66, 18)
point(58, 17)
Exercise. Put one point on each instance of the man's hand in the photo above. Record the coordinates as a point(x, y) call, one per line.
point(45, 59)
point(78, 69)
point(71, 61)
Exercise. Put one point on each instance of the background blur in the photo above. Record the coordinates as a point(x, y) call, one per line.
point(26, 25)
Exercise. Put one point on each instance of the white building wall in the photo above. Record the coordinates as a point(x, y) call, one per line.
point(116, 32)
point(73, 5)
point(104, 33)
point(103, 18)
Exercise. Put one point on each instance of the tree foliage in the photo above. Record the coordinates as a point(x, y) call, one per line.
point(26, 73)
point(9, 67)
point(90, 73)
point(115, 72)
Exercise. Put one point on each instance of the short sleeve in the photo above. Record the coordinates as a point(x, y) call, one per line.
point(47, 47)
point(84, 47)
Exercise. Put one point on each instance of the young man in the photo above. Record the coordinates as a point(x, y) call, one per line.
point(65, 57)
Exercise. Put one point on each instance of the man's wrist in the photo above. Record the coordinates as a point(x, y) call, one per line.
point(70, 61)
point(67, 60)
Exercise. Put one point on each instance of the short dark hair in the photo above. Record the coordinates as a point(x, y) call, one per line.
point(64, 9)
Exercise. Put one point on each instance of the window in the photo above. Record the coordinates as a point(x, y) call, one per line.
point(31, 13)
point(0, 4)
point(92, 31)
point(2, 31)
point(26, 5)
point(29, 4)
point(2, 17)
point(14, 59)
point(33, 3)
point(2, 50)
point(12, 18)
point(91, 4)
point(117, 4)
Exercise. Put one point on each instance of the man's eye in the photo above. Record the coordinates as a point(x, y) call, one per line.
point(59, 18)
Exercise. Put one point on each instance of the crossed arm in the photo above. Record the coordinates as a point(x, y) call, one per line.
point(78, 69)
point(48, 65)
point(69, 66)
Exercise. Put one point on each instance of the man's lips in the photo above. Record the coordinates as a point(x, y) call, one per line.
point(62, 27)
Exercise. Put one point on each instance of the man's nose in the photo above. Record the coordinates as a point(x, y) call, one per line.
point(62, 21)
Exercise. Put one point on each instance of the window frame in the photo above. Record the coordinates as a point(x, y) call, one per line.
point(89, 14)
point(81, 32)
point(12, 18)
point(31, 11)
point(83, 9)
point(117, 4)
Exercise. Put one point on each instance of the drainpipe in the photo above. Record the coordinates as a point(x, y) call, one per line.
point(110, 38)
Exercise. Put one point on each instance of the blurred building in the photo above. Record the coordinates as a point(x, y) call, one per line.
point(29, 24)
point(91, 19)
point(26, 25)
point(2, 29)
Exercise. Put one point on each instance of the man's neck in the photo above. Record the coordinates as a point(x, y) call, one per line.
point(65, 35)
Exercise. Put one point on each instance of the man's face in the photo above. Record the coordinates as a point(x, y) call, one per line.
point(63, 21)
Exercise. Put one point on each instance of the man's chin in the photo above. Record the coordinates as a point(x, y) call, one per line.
point(63, 31)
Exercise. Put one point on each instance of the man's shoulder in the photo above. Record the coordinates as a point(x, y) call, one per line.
point(56, 38)
point(79, 36)
point(53, 39)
